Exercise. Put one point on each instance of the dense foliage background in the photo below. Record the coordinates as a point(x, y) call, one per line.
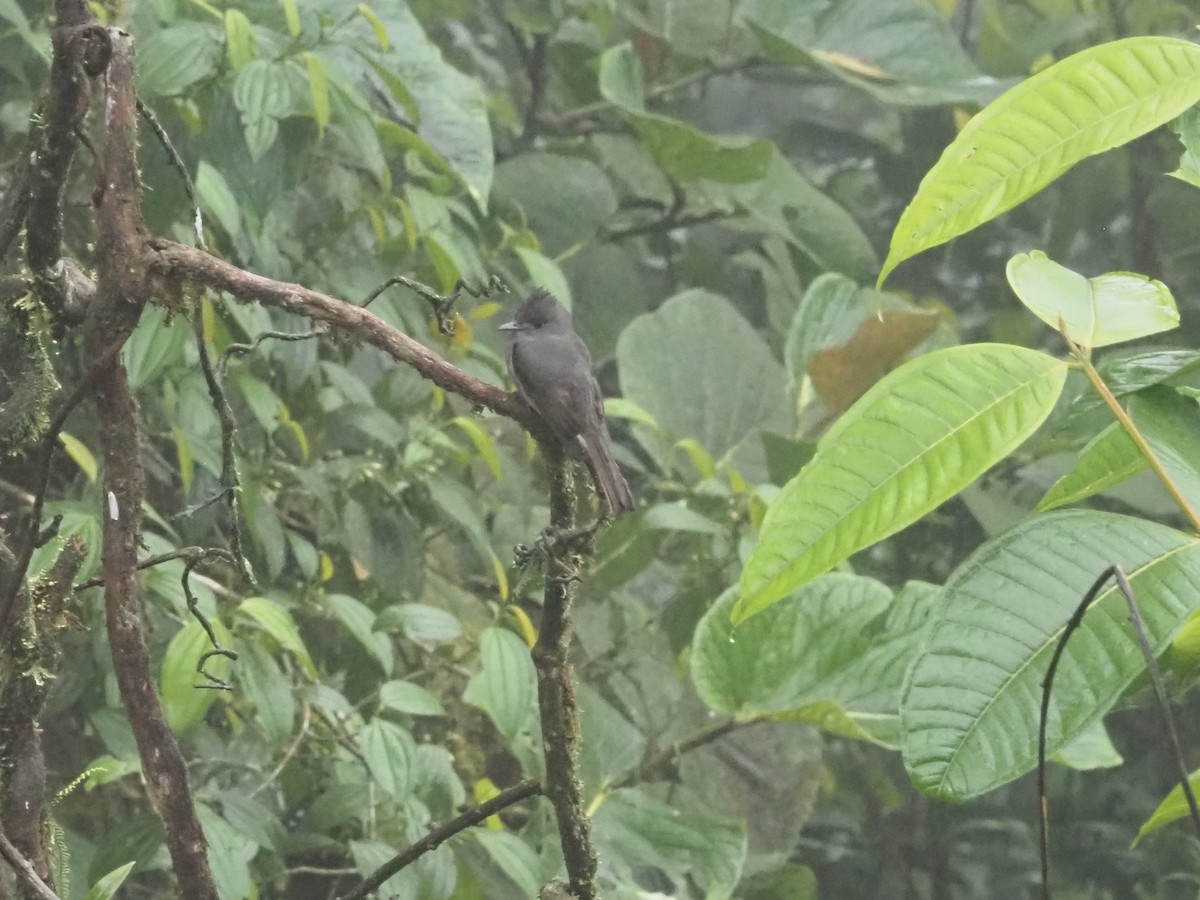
point(711, 186)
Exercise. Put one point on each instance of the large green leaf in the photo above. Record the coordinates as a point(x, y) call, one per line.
point(902, 51)
point(452, 107)
point(634, 829)
point(506, 684)
point(678, 363)
point(177, 57)
point(184, 695)
point(800, 652)
point(563, 198)
point(682, 151)
point(1094, 312)
point(971, 699)
point(1093, 101)
point(788, 204)
point(919, 436)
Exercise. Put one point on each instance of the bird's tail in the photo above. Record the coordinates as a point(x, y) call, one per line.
point(606, 475)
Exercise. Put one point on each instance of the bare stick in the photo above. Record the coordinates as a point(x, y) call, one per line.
point(1164, 705)
point(506, 798)
point(23, 868)
point(1047, 684)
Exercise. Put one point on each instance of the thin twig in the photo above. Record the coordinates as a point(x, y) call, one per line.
point(230, 483)
point(667, 222)
point(443, 306)
point(194, 608)
point(670, 755)
point(1139, 628)
point(180, 168)
point(1047, 684)
point(157, 559)
point(241, 349)
point(25, 869)
point(288, 753)
point(434, 839)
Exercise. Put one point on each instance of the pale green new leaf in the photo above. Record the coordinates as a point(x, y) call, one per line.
point(969, 714)
point(1095, 100)
point(919, 436)
point(1094, 312)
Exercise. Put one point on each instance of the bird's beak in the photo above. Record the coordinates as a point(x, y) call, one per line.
point(509, 326)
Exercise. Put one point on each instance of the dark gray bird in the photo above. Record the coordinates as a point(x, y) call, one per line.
point(552, 370)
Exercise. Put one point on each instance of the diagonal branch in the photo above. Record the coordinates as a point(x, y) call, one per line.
point(177, 264)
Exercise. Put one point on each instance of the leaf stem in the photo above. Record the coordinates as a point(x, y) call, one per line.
point(1138, 438)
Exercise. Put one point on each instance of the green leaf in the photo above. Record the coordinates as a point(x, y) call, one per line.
point(406, 697)
point(155, 345)
point(1187, 128)
point(1095, 312)
point(485, 446)
point(175, 58)
point(1172, 808)
point(1108, 459)
point(265, 685)
point(1170, 424)
point(229, 853)
point(832, 309)
point(453, 107)
point(545, 273)
point(263, 94)
point(683, 152)
point(318, 88)
point(379, 28)
point(666, 364)
point(633, 829)
point(754, 667)
point(360, 622)
point(1092, 749)
point(901, 51)
point(453, 499)
point(278, 623)
point(515, 858)
point(793, 882)
point(505, 685)
point(184, 704)
point(564, 199)
point(611, 745)
point(12, 13)
point(291, 13)
point(388, 750)
point(786, 203)
point(420, 623)
point(240, 43)
point(1095, 100)
point(218, 199)
point(970, 707)
point(79, 452)
point(106, 887)
point(919, 436)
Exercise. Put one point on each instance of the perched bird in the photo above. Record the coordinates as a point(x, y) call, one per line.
point(552, 370)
